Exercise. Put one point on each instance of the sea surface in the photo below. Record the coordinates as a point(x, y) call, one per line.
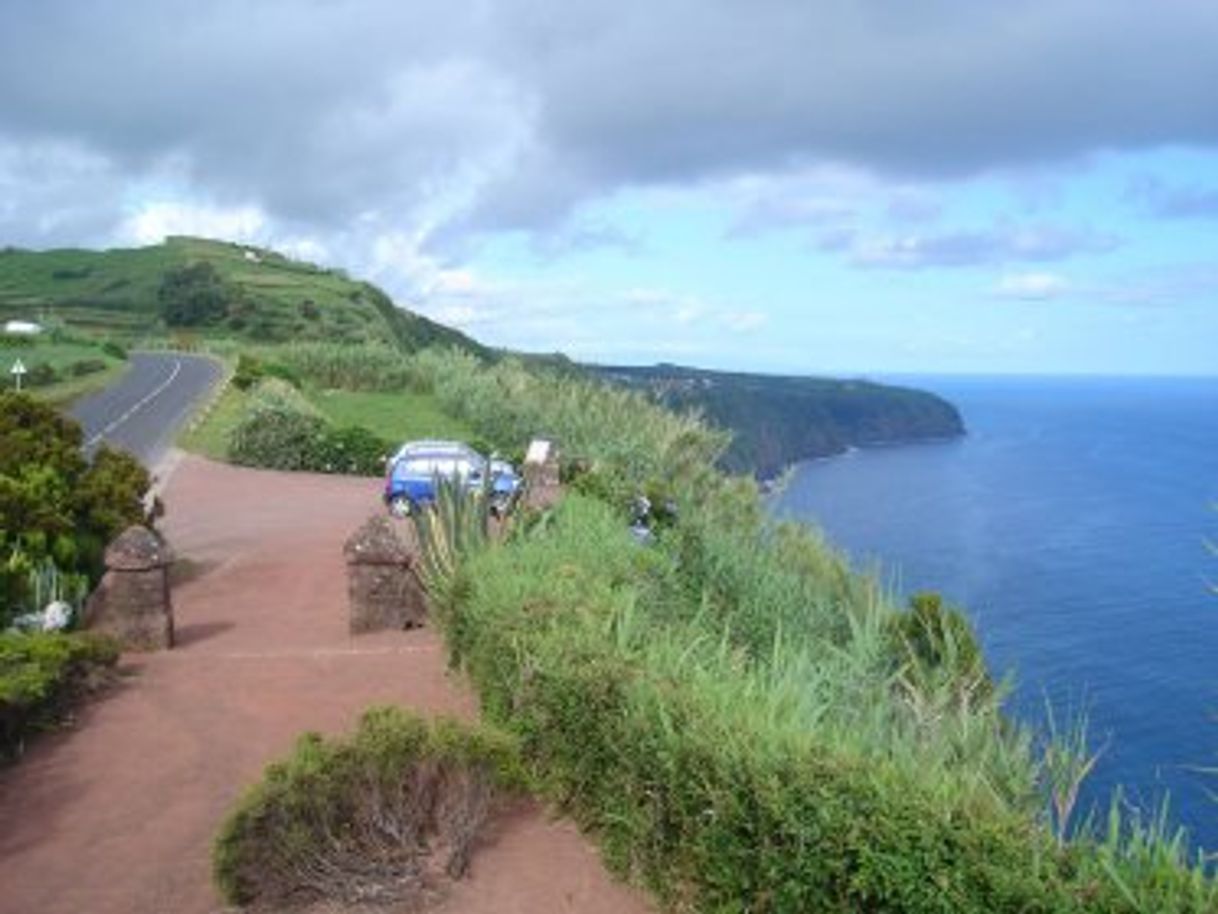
point(1071, 523)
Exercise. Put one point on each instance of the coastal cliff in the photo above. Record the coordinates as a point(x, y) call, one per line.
point(779, 420)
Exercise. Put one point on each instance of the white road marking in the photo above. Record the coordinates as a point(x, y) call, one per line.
point(160, 389)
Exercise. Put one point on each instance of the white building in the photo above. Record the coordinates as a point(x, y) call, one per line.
point(22, 328)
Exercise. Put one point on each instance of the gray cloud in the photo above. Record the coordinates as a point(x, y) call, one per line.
point(1167, 201)
point(484, 116)
point(967, 248)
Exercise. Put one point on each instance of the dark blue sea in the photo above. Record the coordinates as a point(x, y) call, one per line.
point(1071, 522)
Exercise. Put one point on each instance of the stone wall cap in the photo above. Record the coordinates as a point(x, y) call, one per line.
point(375, 543)
point(138, 549)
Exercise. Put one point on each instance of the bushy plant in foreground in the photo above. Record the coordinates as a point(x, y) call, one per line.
point(384, 815)
point(39, 672)
point(54, 503)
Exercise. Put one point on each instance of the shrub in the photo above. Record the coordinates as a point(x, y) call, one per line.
point(350, 449)
point(385, 815)
point(41, 374)
point(114, 350)
point(86, 366)
point(193, 295)
point(54, 504)
point(40, 673)
point(281, 430)
point(278, 429)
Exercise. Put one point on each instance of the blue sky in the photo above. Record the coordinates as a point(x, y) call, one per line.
point(848, 186)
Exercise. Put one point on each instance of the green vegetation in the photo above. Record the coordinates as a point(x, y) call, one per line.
point(383, 816)
point(210, 435)
point(54, 504)
point(742, 721)
point(778, 420)
point(398, 416)
point(229, 290)
point(41, 673)
point(59, 366)
point(279, 429)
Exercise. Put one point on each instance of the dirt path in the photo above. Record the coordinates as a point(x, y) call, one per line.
point(117, 814)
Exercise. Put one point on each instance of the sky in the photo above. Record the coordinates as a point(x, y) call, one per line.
point(815, 186)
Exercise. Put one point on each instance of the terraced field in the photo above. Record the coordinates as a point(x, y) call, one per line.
point(272, 298)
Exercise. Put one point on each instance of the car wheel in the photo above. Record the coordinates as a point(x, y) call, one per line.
point(401, 506)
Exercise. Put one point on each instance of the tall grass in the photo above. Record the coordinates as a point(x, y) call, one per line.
point(768, 756)
point(369, 367)
point(745, 722)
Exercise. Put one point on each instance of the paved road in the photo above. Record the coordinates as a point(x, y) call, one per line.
point(143, 410)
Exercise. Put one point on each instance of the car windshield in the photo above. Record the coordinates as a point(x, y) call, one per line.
point(437, 463)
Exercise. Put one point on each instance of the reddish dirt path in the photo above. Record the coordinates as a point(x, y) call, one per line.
point(116, 815)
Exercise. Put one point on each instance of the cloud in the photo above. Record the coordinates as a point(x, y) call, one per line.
point(967, 248)
point(152, 222)
point(1031, 286)
point(509, 115)
point(1168, 201)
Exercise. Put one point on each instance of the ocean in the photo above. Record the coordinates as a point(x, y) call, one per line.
point(1072, 525)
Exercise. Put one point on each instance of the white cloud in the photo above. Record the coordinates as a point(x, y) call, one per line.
point(744, 321)
point(1031, 286)
point(152, 222)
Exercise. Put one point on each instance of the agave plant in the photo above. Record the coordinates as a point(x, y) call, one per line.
point(455, 525)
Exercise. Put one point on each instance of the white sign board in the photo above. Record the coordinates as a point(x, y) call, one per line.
point(539, 451)
point(17, 371)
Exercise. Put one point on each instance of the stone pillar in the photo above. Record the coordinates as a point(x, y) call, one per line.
point(542, 485)
point(132, 603)
point(382, 586)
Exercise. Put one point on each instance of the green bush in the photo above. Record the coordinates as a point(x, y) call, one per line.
point(40, 672)
point(41, 374)
point(350, 449)
point(54, 504)
point(83, 367)
point(115, 350)
point(381, 816)
point(280, 429)
point(193, 295)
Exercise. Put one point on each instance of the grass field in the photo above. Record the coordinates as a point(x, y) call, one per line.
point(60, 356)
point(209, 437)
point(396, 417)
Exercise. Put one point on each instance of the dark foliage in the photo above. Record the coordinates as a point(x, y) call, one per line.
point(40, 674)
point(53, 502)
point(193, 295)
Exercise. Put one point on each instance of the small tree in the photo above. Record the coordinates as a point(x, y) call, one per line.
point(54, 504)
point(192, 295)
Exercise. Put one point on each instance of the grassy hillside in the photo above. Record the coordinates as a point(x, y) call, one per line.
point(778, 420)
point(268, 297)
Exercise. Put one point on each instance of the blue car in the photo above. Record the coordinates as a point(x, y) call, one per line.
point(414, 471)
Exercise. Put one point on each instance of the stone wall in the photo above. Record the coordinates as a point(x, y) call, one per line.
point(133, 601)
point(383, 587)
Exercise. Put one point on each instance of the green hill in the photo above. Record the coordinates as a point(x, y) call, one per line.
point(778, 420)
point(266, 297)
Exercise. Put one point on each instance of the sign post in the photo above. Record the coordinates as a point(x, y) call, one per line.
point(17, 371)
